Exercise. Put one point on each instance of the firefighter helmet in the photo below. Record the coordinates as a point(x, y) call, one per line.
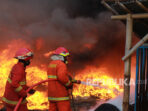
point(24, 54)
point(61, 51)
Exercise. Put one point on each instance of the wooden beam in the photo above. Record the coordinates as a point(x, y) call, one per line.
point(142, 6)
point(141, 42)
point(140, 16)
point(127, 63)
point(134, 16)
point(115, 0)
point(109, 7)
point(118, 17)
point(124, 7)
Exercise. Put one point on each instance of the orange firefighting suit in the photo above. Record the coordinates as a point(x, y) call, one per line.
point(58, 86)
point(15, 88)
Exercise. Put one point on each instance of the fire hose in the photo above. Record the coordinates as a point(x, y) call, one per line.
point(20, 100)
point(75, 81)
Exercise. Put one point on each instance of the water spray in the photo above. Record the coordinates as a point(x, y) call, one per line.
point(98, 86)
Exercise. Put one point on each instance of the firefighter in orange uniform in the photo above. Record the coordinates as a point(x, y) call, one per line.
point(16, 83)
point(59, 82)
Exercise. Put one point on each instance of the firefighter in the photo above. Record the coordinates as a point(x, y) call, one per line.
point(59, 81)
point(16, 84)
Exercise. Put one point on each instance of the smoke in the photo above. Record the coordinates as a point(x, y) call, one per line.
point(79, 25)
point(108, 47)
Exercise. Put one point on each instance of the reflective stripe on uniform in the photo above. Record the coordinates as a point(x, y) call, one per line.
point(68, 83)
point(58, 98)
point(21, 83)
point(12, 102)
point(63, 54)
point(52, 65)
point(52, 76)
point(18, 89)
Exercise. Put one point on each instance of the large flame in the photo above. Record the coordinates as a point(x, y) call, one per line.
point(99, 84)
point(39, 100)
point(35, 74)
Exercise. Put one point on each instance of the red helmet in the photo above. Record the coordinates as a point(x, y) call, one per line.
point(61, 51)
point(24, 54)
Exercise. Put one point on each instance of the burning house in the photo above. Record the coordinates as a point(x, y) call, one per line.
point(96, 44)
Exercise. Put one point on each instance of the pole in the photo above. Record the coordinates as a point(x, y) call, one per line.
point(141, 42)
point(140, 78)
point(137, 78)
point(147, 77)
point(143, 79)
point(127, 64)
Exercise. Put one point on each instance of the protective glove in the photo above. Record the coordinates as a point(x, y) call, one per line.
point(24, 97)
point(32, 91)
point(70, 87)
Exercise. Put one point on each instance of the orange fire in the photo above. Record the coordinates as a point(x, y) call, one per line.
point(35, 74)
point(39, 100)
point(99, 84)
point(48, 54)
point(39, 43)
